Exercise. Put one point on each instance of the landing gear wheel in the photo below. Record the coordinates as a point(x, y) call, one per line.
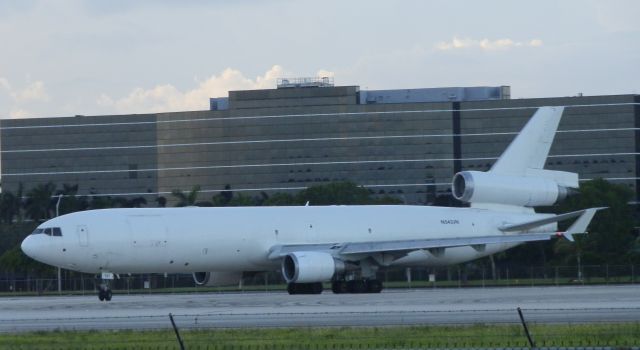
point(356, 286)
point(339, 287)
point(104, 293)
point(374, 286)
point(305, 288)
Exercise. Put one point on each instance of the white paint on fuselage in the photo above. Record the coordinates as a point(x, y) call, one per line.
point(192, 239)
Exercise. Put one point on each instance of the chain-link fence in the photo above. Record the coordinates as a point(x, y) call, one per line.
point(495, 336)
point(444, 277)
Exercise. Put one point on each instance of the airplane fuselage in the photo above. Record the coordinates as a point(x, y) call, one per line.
point(191, 239)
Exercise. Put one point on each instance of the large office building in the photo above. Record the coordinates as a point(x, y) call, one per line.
point(405, 143)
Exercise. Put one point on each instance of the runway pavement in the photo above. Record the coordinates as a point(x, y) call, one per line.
point(278, 309)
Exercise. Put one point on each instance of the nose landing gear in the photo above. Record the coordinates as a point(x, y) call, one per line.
point(104, 291)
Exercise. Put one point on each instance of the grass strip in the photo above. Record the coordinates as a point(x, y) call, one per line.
point(439, 336)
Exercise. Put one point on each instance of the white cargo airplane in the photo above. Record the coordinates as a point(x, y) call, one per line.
point(346, 245)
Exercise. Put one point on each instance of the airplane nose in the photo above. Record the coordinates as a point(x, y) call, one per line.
point(28, 246)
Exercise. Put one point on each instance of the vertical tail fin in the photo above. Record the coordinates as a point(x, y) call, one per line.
point(518, 179)
point(529, 150)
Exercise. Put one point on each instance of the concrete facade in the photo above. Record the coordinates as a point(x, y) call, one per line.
point(287, 139)
point(93, 152)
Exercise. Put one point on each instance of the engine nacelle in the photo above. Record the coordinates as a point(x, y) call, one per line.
point(217, 279)
point(307, 267)
point(481, 187)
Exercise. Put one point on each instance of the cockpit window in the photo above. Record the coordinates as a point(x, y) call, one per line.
point(49, 231)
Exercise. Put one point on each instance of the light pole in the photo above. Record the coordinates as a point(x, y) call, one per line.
point(59, 269)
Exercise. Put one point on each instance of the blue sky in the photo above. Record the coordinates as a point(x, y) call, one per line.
point(60, 58)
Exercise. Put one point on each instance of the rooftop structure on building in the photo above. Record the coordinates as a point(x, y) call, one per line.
point(291, 88)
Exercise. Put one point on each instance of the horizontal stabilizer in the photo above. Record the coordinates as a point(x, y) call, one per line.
point(523, 226)
point(580, 226)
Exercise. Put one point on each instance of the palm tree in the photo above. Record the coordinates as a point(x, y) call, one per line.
point(100, 202)
point(18, 203)
point(70, 201)
point(223, 198)
point(162, 202)
point(188, 199)
point(9, 207)
point(40, 203)
point(122, 202)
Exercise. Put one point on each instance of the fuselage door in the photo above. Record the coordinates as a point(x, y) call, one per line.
point(83, 235)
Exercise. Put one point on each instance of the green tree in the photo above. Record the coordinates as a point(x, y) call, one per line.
point(40, 204)
point(223, 198)
point(13, 234)
point(15, 260)
point(9, 207)
point(19, 203)
point(70, 201)
point(340, 193)
point(186, 199)
point(280, 199)
point(123, 202)
point(611, 237)
point(100, 202)
point(241, 200)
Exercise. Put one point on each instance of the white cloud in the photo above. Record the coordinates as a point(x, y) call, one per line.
point(535, 42)
point(104, 101)
point(325, 73)
point(168, 98)
point(4, 84)
point(485, 44)
point(618, 16)
point(19, 113)
point(17, 99)
point(33, 92)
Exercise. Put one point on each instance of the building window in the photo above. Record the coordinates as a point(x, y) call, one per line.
point(133, 173)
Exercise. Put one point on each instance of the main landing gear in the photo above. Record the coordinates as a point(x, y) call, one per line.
point(356, 286)
point(305, 288)
point(338, 287)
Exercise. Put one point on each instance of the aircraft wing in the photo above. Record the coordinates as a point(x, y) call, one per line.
point(436, 245)
point(402, 247)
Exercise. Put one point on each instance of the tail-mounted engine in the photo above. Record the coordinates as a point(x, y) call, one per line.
point(546, 188)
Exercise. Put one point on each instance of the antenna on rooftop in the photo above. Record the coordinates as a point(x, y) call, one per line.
point(286, 83)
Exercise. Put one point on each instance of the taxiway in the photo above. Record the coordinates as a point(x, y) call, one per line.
point(278, 309)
